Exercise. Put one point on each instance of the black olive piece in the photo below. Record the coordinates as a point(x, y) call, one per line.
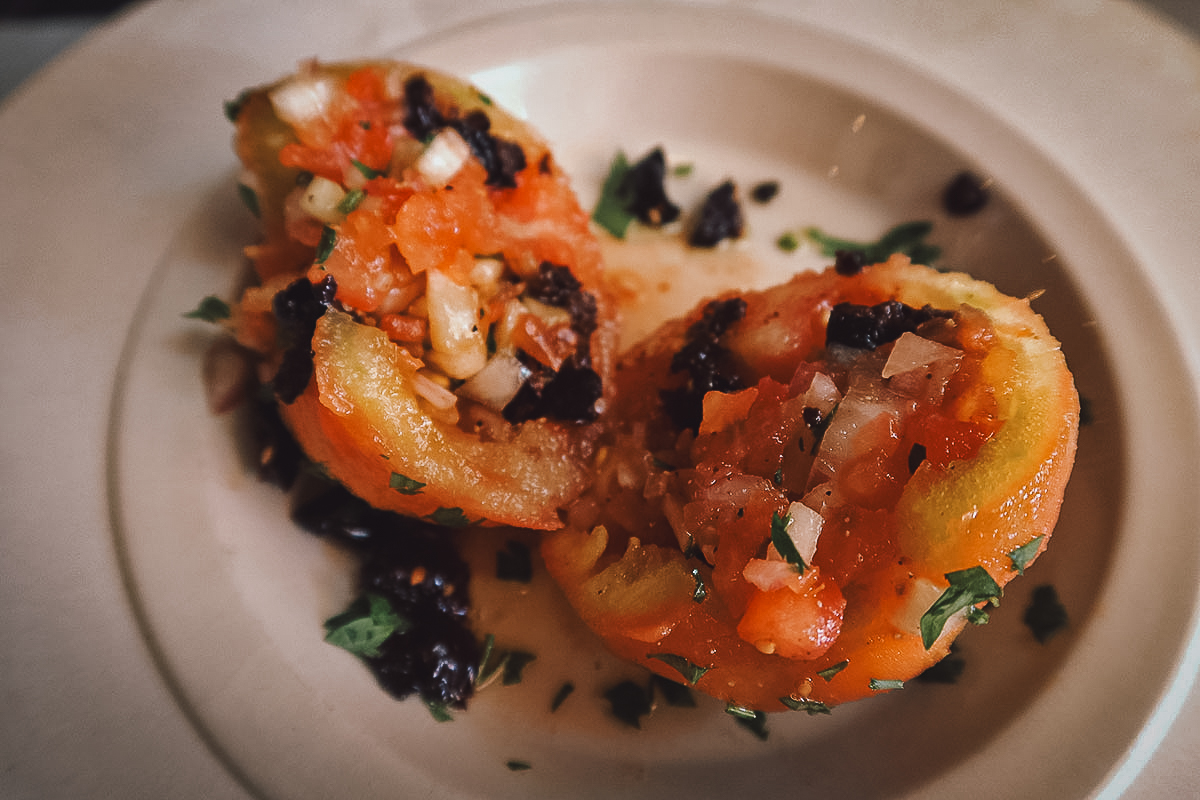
point(868, 327)
point(557, 286)
point(709, 365)
point(421, 115)
point(437, 658)
point(297, 309)
point(720, 217)
point(501, 158)
point(849, 262)
point(568, 395)
point(965, 195)
point(764, 192)
point(644, 191)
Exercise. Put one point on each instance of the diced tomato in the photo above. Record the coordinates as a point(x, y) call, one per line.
point(947, 439)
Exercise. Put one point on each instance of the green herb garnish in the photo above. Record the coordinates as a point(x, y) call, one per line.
point(365, 625)
point(513, 562)
point(326, 244)
point(788, 242)
point(1025, 553)
point(439, 711)
point(404, 484)
point(210, 309)
point(753, 721)
point(701, 591)
point(810, 707)
point(783, 543)
point(829, 672)
point(366, 171)
point(611, 212)
point(351, 201)
point(561, 695)
point(514, 666)
point(683, 170)
point(968, 587)
point(884, 685)
point(907, 238)
point(249, 199)
point(690, 672)
point(449, 517)
point(234, 107)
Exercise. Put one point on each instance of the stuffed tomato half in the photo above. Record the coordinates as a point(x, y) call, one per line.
point(808, 491)
point(430, 307)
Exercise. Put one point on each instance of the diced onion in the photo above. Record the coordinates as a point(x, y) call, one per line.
point(496, 384)
point(804, 527)
point(459, 345)
point(438, 396)
point(302, 99)
point(767, 575)
point(320, 199)
point(916, 352)
point(922, 594)
point(444, 157)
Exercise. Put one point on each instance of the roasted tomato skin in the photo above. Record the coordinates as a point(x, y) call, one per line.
point(935, 482)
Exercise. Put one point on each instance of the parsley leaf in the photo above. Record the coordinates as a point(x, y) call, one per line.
point(513, 562)
point(404, 484)
point(366, 171)
point(611, 212)
point(351, 201)
point(783, 543)
point(701, 591)
point(810, 707)
point(561, 695)
point(514, 666)
point(449, 517)
point(249, 199)
point(1025, 553)
point(829, 672)
point(907, 238)
point(690, 672)
point(967, 588)
point(884, 685)
point(365, 625)
point(211, 309)
point(326, 244)
point(439, 711)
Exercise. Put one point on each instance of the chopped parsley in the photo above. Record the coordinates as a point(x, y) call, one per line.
point(514, 666)
point(682, 170)
point(907, 238)
point(365, 625)
point(561, 695)
point(829, 672)
point(1046, 615)
point(783, 543)
point(439, 711)
point(326, 244)
point(788, 242)
point(611, 212)
point(351, 201)
point(884, 685)
point(249, 199)
point(690, 672)
point(513, 562)
point(404, 484)
point(449, 517)
point(1025, 553)
point(701, 591)
point(366, 171)
point(968, 587)
point(810, 707)
point(210, 309)
point(629, 702)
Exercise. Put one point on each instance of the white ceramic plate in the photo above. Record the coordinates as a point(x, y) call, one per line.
point(231, 596)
